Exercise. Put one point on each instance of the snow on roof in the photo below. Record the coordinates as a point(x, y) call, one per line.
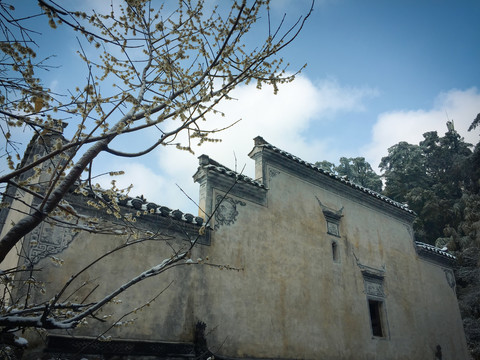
point(209, 164)
point(434, 250)
point(240, 177)
point(139, 203)
point(262, 143)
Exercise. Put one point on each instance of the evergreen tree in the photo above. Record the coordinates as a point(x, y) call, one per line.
point(326, 165)
point(360, 172)
point(431, 178)
point(357, 170)
point(404, 170)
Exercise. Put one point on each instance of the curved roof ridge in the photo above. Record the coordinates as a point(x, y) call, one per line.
point(238, 176)
point(434, 249)
point(342, 179)
point(139, 203)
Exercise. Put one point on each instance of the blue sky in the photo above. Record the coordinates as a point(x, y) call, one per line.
point(378, 72)
point(409, 52)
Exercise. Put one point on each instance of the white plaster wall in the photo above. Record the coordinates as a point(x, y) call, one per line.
point(287, 298)
point(169, 318)
point(293, 301)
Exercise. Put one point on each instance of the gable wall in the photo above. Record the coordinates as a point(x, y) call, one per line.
point(283, 295)
point(293, 301)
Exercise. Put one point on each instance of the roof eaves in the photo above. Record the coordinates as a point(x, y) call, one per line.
point(434, 250)
point(342, 179)
point(152, 208)
point(141, 204)
point(239, 177)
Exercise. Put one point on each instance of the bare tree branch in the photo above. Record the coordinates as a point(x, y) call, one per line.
point(156, 72)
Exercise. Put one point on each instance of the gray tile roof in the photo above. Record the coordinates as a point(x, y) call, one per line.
point(240, 177)
point(434, 250)
point(140, 204)
point(342, 179)
point(209, 164)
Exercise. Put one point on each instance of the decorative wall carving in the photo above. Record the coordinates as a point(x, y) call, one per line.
point(450, 278)
point(372, 279)
point(47, 240)
point(226, 210)
point(332, 228)
point(374, 288)
point(272, 173)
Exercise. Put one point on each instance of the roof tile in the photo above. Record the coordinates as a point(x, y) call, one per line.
point(342, 179)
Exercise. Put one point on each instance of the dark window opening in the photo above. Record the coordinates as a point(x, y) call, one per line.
point(334, 251)
point(375, 308)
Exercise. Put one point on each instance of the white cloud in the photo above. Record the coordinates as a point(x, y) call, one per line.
point(461, 106)
point(284, 120)
point(333, 97)
point(281, 119)
point(146, 182)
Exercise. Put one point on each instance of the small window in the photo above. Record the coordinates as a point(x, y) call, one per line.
point(335, 251)
point(375, 308)
point(332, 218)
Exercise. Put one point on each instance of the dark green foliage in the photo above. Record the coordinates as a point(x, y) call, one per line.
point(440, 180)
point(326, 165)
point(431, 178)
point(359, 171)
point(404, 170)
point(475, 123)
point(356, 170)
point(467, 274)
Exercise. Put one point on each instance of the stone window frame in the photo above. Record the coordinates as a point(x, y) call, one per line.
point(332, 218)
point(376, 299)
point(377, 317)
point(333, 222)
point(333, 229)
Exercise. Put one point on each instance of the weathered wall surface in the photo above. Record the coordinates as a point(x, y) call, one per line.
point(313, 258)
point(60, 253)
point(294, 300)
